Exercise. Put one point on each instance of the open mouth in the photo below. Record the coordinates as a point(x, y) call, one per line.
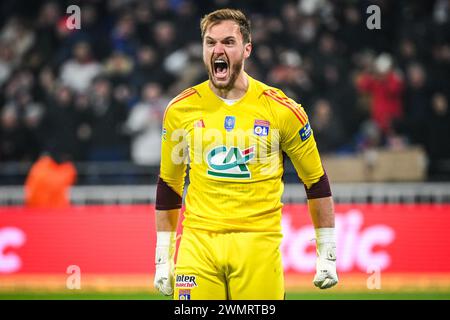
point(220, 67)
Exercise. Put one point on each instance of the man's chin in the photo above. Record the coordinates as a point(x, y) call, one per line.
point(220, 84)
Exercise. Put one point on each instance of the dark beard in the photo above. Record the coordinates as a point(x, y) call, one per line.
point(234, 72)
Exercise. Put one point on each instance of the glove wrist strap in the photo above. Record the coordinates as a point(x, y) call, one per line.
point(325, 235)
point(165, 238)
point(165, 246)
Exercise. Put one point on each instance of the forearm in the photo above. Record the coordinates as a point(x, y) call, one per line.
point(167, 220)
point(322, 212)
point(166, 226)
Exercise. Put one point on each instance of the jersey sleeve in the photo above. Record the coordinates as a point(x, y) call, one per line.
point(297, 139)
point(173, 149)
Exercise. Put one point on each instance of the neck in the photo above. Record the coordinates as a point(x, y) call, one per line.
point(238, 90)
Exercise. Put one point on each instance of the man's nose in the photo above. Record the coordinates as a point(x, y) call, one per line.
point(219, 48)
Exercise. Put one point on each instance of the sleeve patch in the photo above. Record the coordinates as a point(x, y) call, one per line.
point(305, 132)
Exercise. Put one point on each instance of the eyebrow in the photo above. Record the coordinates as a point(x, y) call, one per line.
point(224, 39)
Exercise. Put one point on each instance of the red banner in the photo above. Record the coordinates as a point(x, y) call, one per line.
point(389, 238)
point(121, 239)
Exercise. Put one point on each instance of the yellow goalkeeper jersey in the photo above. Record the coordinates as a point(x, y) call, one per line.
point(235, 158)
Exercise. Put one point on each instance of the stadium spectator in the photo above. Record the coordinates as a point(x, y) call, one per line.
point(46, 84)
point(108, 116)
point(291, 75)
point(385, 87)
point(13, 137)
point(408, 53)
point(22, 79)
point(118, 68)
point(123, 36)
point(93, 29)
point(47, 41)
point(19, 38)
point(144, 17)
point(84, 130)
point(149, 69)
point(185, 65)
point(439, 66)
point(144, 125)
point(30, 116)
point(164, 37)
point(351, 34)
point(49, 181)
point(6, 61)
point(327, 127)
point(186, 13)
point(416, 102)
point(61, 123)
point(437, 134)
point(77, 73)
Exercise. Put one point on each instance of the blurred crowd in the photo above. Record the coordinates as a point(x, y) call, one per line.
point(98, 93)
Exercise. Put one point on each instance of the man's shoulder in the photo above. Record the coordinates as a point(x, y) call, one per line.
point(189, 95)
point(281, 104)
point(264, 90)
point(259, 87)
point(183, 97)
point(184, 101)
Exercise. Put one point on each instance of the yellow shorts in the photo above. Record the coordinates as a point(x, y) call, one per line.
point(235, 265)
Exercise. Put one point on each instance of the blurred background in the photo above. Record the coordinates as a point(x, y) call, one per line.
point(80, 122)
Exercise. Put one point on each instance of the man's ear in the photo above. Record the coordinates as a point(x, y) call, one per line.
point(247, 50)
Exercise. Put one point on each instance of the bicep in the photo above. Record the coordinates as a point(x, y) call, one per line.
point(306, 160)
point(173, 153)
point(299, 144)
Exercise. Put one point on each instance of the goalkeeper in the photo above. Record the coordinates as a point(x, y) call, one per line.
point(234, 131)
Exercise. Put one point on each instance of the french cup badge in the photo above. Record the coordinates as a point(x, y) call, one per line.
point(230, 121)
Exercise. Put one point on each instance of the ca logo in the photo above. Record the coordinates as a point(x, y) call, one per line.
point(230, 162)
